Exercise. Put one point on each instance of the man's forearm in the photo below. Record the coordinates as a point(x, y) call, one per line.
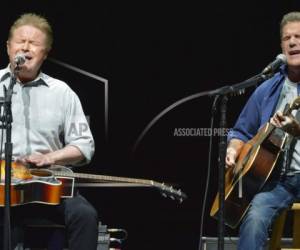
point(66, 156)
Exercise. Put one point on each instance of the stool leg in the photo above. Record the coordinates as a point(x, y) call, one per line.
point(296, 229)
point(277, 230)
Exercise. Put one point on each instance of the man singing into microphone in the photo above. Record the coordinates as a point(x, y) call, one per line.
point(44, 112)
point(266, 104)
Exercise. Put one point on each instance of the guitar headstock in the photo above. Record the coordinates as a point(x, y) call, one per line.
point(169, 191)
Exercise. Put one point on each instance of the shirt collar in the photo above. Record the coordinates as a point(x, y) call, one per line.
point(39, 80)
point(283, 69)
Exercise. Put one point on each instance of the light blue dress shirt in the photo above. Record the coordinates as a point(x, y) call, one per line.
point(47, 115)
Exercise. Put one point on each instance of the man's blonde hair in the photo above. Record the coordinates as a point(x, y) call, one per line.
point(289, 18)
point(36, 21)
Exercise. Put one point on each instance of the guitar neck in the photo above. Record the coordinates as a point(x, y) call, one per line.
point(270, 128)
point(104, 178)
point(163, 188)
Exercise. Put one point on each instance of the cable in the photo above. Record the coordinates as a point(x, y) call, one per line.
point(213, 111)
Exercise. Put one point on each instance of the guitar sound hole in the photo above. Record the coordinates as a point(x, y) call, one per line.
point(41, 172)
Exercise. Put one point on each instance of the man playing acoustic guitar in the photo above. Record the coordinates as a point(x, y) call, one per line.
point(44, 111)
point(266, 104)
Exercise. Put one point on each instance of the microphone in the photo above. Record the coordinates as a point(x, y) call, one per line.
point(273, 66)
point(19, 59)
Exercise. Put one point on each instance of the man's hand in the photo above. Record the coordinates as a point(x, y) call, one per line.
point(66, 156)
point(287, 123)
point(233, 150)
point(231, 156)
point(38, 160)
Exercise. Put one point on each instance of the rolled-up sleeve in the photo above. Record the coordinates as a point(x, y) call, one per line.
point(76, 128)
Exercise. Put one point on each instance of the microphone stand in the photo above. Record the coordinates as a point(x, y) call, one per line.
point(224, 92)
point(8, 158)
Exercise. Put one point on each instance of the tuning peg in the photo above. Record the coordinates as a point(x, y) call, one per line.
point(239, 92)
point(183, 196)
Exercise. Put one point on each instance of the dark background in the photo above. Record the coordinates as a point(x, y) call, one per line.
point(154, 54)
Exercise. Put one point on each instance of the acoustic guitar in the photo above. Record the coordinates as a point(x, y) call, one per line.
point(254, 165)
point(48, 186)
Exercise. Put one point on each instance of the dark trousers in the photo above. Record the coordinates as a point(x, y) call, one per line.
point(77, 214)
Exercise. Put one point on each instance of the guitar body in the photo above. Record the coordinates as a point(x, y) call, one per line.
point(36, 186)
point(256, 163)
point(28, 192)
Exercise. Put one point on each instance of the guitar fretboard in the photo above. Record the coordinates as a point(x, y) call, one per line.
point(105, 178)
point(165, 189)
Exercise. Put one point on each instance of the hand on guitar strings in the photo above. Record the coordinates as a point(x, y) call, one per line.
point(36, 160)
point(232, 152)
point(287, 123)
point(231, 156)
point(230, 160)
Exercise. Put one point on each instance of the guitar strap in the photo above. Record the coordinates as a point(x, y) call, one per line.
point(288, 93)
point(290, 149)
point(287, 157)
